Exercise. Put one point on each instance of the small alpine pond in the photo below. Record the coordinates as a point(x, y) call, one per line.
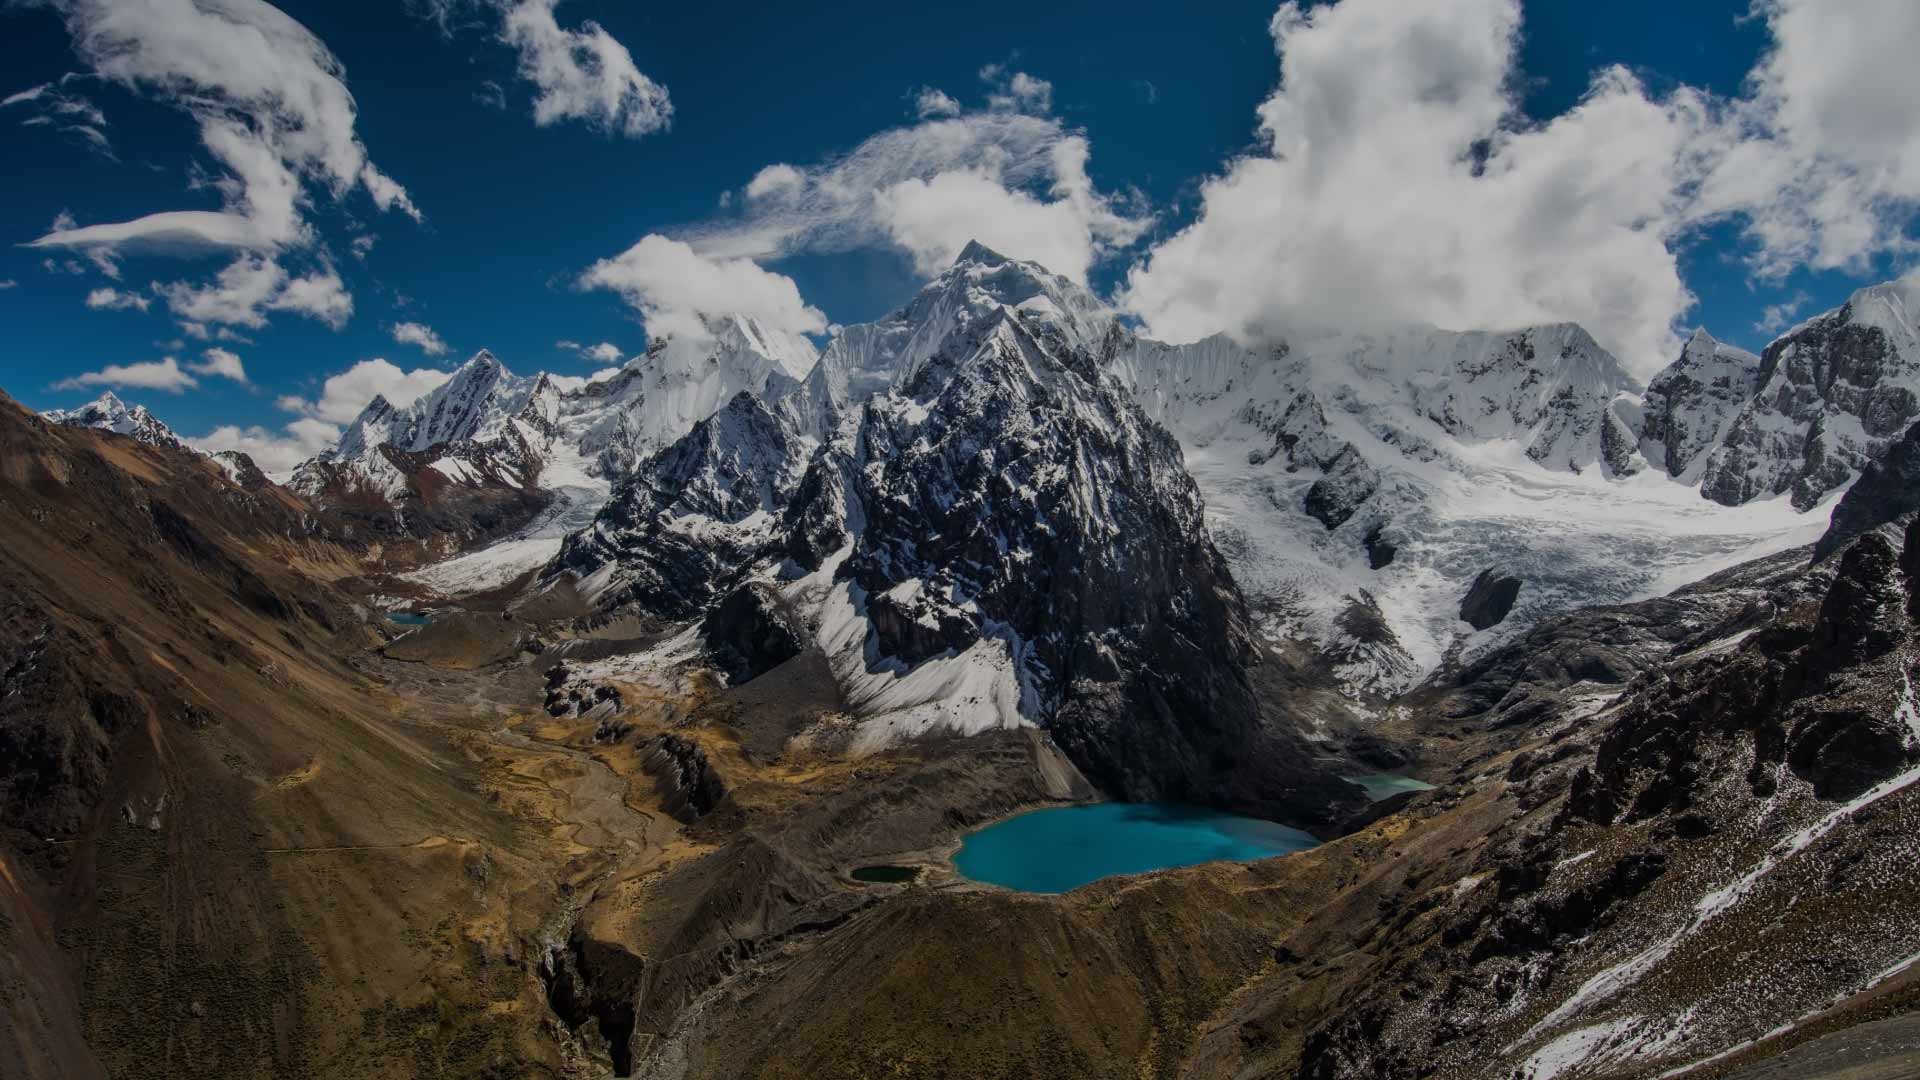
point(1064, 847)
point(1385, 785)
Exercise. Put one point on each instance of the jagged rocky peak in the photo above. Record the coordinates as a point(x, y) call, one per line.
point(996, 535)
point(689, 519)
point(864, 359)
point(1689, 405)
point(108, 413)
point(1830, 395)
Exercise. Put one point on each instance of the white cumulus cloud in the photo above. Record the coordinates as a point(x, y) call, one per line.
point(1399, 186)
point(164, 375)
point(605, 352)
point(344, 394)
point(674, 288)
point(1008, 176)
point(420, 334)
point(251, 286)
point(1398, 182)
point(583, 74)
point(110, 299)
point(222, 363)
point(580, 74)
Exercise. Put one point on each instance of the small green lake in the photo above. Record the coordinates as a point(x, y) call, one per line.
point(409, 618)
point(1385, 785)
point(1064, 847)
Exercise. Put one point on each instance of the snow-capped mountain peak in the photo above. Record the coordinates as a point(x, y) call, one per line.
point(108, 413)
point(1829, 396)
point(1689, 406)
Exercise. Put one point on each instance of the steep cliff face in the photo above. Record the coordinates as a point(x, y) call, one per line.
point(693, 519)
point(1689, 406)
point(1829, 397)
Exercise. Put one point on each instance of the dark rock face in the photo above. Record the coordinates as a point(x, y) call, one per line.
point(1771, 693)
point(1888, 490)
point(1618, 449)
point(1299, 431)
point(1380, 550)
point(58, 726)
point(1489, 599)
point(1018, 479)
point(752, 632)
point(1820, 697)
point(1688, 404)
point(1838, 374)
point(732, 474)
point(691, 786)
point(242, 470)
point(1350, 481)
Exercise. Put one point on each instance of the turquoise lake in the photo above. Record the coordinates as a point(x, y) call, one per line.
point(1065, 847)
point(409, 618)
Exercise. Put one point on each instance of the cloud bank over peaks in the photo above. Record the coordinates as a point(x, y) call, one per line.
point(1397, 180)
point(675, 290)
point(1010, 175)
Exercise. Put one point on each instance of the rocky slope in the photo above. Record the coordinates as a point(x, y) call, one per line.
point(180, 730)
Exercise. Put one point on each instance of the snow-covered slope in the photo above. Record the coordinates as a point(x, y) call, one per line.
point(1354, 474)
point(108, 413)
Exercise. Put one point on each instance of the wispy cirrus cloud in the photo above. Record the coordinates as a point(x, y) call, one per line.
point(580, 74)
point(272, 107)
point(57, 106)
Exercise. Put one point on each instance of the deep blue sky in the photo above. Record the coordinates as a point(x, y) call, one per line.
point(514, 211)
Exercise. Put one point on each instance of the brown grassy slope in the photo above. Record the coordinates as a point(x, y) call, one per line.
point(222, 856)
